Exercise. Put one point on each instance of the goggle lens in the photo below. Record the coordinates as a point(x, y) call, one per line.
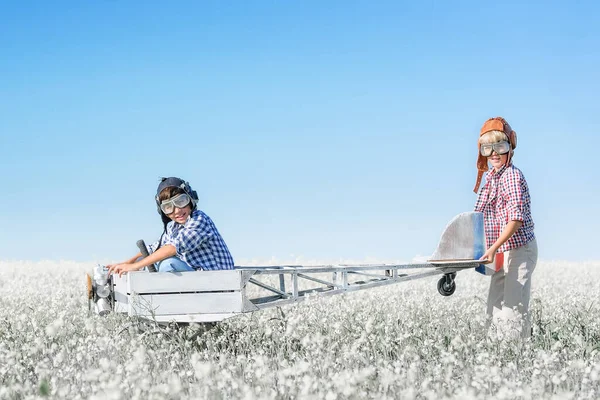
point(486, 149)
point(179, 201)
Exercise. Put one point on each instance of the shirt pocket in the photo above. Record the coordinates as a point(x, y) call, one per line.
point(502, 206)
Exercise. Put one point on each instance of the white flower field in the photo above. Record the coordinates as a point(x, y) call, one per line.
point(402, 341)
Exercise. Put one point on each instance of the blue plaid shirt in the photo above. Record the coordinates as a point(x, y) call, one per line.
point(198, 243)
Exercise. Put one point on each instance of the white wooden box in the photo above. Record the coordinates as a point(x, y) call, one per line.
point(195, 296)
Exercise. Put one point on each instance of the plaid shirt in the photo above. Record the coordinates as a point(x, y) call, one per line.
point(504, 198)
point(198, 243)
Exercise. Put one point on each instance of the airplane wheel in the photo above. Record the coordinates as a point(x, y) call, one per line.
point(446, 285)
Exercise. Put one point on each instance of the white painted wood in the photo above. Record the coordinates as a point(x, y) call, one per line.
point(120, 294)
point(177, 282)
point(121, 307)
point(456, 263)
point(186, 303)
point(119, 283)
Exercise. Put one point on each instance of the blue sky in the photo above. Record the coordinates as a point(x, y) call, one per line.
point(319, 130)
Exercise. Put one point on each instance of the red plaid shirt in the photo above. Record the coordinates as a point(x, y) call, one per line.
point(504, 198)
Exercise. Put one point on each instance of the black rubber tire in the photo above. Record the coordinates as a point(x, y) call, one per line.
point(445, 288)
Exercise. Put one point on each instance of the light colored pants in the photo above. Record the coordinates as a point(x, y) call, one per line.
point(510, 289)
point(173, 264)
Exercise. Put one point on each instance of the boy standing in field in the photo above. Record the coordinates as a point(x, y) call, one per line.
point(505, 203)
point(190, 240)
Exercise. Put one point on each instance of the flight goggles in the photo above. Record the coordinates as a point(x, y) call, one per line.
point(486, 149)
point(179, 201)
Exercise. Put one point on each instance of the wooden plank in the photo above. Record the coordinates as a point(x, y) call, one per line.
point(142, 282)
point(119, 283)
point(120, 294)
point(121, 307)
point(186, 303)
point(457, 264)
point(121, 297)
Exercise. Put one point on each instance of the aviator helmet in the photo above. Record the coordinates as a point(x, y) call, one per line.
point(178, 183)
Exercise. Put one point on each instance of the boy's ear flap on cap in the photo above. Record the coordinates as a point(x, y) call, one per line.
point(164, 218)
point(482, 167)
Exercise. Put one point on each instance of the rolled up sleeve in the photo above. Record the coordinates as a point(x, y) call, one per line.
point(515, 201)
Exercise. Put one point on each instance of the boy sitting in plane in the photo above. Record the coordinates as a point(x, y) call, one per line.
point(190, 240)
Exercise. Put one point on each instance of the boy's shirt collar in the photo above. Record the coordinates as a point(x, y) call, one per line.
point(493, 173)
point(175, 225)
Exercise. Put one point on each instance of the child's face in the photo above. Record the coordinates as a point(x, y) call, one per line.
point(497, 160)
point(180, 215)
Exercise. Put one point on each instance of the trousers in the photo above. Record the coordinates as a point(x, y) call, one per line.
point(173, 264)
point(510, 290)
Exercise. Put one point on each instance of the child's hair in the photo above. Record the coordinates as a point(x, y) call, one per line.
point(169, 192)
point(493, 137)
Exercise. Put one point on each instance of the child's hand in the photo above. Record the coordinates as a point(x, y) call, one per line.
point(488, 256)
point(121, 268)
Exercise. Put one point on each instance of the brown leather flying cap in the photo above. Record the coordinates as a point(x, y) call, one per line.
point(493, 124)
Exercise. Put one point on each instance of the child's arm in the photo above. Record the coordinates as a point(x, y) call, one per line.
point(129, 261)
point(508, 231)
point(164, 252)
point(132, 259)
